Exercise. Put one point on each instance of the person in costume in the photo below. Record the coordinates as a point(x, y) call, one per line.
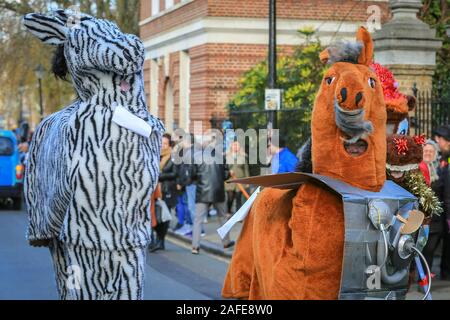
point(294, 243)
point(93, 165)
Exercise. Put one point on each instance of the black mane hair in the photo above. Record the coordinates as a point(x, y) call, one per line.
point(304, 156)
point(59, 65)
point(344, 51)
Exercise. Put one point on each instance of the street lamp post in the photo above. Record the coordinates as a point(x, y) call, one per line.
point(21, 91)
point(39, 71)
point(272, 76)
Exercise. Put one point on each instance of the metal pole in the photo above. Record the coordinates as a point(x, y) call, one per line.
point(41, 109)
point(21, 89)
point(272, 76)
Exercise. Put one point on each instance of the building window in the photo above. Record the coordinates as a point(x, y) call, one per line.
point(169, 4)
point(155, 7)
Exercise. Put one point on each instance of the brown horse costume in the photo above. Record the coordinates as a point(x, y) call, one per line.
point(291, 244)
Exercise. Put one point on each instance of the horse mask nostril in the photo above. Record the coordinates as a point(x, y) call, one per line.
point(358, 97)
point(343, 94)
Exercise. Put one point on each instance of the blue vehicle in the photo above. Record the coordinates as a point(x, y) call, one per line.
point(11, 169)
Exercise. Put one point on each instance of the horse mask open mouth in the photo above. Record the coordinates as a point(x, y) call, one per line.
point(349, 117)
point(354, 128)
point(357, 148)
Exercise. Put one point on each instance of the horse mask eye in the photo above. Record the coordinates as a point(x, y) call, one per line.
point(329, 80)
point(372, 82)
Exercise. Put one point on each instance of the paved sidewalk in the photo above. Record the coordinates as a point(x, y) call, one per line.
point(211, 242)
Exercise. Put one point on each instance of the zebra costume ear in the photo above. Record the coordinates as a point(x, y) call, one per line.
point(48, 29)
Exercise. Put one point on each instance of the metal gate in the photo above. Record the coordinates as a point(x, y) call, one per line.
point(432, 109)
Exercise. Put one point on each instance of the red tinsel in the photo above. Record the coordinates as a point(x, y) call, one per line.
point(390, 86)
point(401, 144)
point(420, 140)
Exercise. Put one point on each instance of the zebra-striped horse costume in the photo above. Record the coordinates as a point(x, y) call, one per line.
point(88, 180)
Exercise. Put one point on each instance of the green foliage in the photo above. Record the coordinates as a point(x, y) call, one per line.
point(299, 75)
point(437, 15)
point(20, 53)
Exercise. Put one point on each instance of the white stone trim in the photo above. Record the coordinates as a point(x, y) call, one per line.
point(169, 107)
point(242, 31)
point(154, 85)
point(165, 11)
point(184, 90)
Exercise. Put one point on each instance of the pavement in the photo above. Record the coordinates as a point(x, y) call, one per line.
point(26, 273)
point(212, 244)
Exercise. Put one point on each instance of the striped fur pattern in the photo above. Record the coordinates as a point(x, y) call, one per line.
point(88, 181)
point(106, 275)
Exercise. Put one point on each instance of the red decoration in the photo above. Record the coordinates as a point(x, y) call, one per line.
point(420, 140)
point(401, 145)
point(390, 86)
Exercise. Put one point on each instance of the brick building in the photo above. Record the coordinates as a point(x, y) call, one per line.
point(196, 50)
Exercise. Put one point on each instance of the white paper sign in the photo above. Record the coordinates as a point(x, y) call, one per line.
point(239, 215)
point(272, 99)
point(126, 119)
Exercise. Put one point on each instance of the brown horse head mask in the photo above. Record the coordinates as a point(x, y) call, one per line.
point(349, 117)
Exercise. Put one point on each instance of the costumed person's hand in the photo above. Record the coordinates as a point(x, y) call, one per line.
point(39, 243)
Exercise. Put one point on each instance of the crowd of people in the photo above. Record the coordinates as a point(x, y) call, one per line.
point(193, 189)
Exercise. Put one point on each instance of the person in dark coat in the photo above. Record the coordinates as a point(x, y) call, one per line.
point(442, 136)
point(167, 180)
point(209, 176)
point(430, 169)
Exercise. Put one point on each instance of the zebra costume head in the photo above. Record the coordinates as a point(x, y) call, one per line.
point(106, 65)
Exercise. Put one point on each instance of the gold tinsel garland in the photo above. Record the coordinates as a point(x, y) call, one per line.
point(428, 202)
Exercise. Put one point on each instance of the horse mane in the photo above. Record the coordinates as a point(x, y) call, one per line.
point(344, 51)
point(59, 65)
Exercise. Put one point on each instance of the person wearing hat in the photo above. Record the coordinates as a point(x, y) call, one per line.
point(442, 137)
point(430, 170)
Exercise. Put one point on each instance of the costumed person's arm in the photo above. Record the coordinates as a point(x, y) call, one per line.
point(46, 198)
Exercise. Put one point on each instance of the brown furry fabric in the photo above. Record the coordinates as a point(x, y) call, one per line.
point(286, 249)
point(412, 156)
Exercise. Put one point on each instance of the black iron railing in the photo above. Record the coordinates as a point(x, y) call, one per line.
point(432, 109)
